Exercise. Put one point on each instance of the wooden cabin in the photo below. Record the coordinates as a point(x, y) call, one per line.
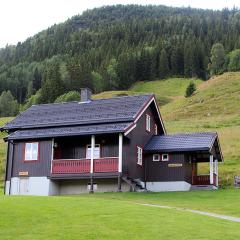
point(117, 144)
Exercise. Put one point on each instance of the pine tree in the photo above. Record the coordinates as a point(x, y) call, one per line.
point(53, 85)
point(218, 57)
point(163, 64)
point(37, 79)
point(177, 61)
point(190, 89)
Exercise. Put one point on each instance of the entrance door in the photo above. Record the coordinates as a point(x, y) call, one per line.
point(194, 173)
point(23, 186)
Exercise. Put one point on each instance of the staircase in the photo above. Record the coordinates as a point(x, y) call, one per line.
point(135, 184)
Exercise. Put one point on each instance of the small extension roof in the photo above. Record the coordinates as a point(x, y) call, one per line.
point(183, 143)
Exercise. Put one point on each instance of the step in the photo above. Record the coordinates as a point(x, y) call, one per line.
point(202, 187)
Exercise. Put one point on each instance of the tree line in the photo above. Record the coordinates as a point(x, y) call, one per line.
point(112, 47)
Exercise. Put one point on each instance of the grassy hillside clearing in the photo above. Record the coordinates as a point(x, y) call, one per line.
point(165, 90)
point(117, 216)
point(214, 107)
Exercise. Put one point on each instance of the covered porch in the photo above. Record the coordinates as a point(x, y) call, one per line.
point(87, 157)
point(211, 177)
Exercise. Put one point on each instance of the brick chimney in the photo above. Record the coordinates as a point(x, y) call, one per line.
point(86, 94)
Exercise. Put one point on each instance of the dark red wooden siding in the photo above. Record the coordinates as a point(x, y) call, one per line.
point(138, 137)
point(161, 171)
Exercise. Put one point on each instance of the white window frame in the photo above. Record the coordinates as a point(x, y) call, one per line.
point(139, 155)
point(165, 159)
point(148, 123)
point(88, 151)
point(31, 155)
point(158, 157)
point(155, 129)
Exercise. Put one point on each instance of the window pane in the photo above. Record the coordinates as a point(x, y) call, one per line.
point(31, 151)
point(88, 152)
point(165, 157)
point(139, 155)
point(34, 151)
point(96, 153)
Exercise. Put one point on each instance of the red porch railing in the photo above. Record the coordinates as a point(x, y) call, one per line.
point(72, 166)
point(201, 180)
point(105, 165)
point(204, 180)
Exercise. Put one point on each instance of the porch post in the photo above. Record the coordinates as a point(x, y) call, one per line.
point(120, 139)
point(211, 169)
point(91, 164)
point(216, 171)
point(52, 154)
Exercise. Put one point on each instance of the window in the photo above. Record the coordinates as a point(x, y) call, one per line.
point(139, 155)
point(148, 123)
point(165, 157)
point(31, 151)
point(156, 157)
point(155, 129)
point(96, 153)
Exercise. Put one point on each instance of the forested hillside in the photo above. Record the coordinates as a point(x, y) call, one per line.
point(112, 47)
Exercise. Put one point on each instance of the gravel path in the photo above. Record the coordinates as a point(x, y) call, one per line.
point(224, 217)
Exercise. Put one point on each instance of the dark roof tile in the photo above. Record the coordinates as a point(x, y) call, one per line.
point(69, 131)
point(117, 109)
point(181, 142)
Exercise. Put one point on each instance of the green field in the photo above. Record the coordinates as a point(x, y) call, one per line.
point(119, 216)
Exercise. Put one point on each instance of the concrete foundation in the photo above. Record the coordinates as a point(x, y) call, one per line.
point(168, 186)
point(83, 186)
point(42, 186)
point(37, 186)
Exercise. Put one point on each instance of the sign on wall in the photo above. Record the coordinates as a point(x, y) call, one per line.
point(175, 165)
point(23, 174)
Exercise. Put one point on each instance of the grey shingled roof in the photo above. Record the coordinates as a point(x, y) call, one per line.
point(181, 142)
point(69, 131)
point(117, 109)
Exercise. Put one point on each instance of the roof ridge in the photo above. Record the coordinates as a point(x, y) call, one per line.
point(191, 133)
point(93, 100)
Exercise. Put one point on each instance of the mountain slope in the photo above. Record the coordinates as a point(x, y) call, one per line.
point(112, 47)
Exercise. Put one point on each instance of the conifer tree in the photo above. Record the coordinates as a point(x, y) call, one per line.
point(218, 57)
point(190, 89)
point(163, 64)
point(53, 85)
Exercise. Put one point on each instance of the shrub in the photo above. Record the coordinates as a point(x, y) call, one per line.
point(234, 60)
point(68, 97)
point(8, 105)
point(190, 89)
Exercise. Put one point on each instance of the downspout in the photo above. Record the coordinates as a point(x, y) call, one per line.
point(6, 169)
point(10, 183)
point(145, 174)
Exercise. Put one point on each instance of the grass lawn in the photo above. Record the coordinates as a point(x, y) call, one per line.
point(115, 216)
point(224, 201)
